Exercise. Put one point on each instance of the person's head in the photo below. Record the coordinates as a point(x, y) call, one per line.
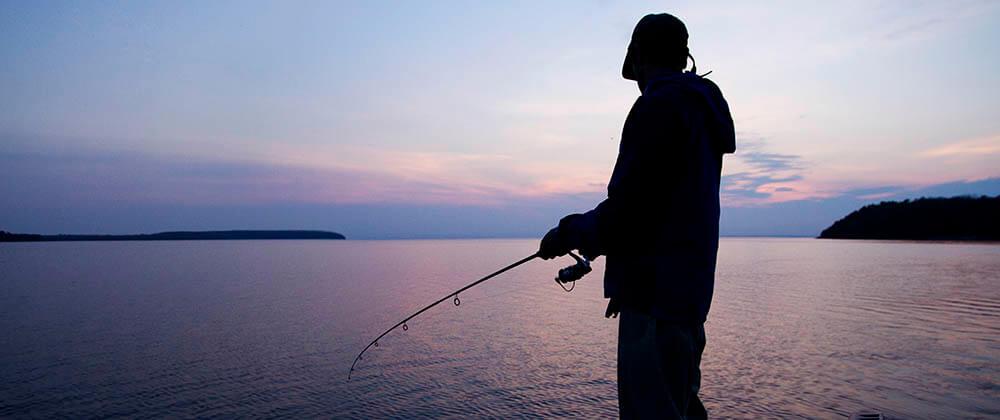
point(659, 43)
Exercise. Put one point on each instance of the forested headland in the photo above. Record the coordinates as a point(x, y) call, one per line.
point(964, 218)
point(177, 236)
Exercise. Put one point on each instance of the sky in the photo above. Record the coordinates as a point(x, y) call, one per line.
point(471, 119)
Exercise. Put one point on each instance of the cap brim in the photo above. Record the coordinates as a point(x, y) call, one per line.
point(628, 70)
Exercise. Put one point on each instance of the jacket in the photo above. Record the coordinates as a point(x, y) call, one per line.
point(659, 226)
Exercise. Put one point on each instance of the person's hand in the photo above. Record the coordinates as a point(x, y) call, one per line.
point(553, 245)
point(613, 309)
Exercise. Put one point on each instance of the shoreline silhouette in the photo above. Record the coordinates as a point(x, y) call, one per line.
point(178, 236)
point(963, 218)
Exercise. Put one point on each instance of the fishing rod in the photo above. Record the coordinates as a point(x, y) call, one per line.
point(566, 275)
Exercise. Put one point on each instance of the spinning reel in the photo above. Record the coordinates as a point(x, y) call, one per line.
point(574, 272)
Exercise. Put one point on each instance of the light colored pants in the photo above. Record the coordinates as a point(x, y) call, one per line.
point(659, 370)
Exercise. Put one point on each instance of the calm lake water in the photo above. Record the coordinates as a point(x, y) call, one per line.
point(799, 327)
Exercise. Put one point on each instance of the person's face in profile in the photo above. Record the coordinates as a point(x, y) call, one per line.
point(632, 62)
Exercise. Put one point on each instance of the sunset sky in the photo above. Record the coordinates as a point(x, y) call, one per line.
point(465, 119)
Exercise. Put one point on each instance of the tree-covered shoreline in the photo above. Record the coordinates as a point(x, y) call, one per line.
point(177, 236)
point(965, 218)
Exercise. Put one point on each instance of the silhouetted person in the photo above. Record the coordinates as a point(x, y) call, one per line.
point(659, 226)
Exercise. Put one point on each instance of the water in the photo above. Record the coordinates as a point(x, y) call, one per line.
point(799, 327)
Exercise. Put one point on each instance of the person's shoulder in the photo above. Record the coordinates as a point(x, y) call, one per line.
point(672, 87)
point(711, 85)
point(660, 96)
point(708, 81)
point(650, 103)
point(692, 87)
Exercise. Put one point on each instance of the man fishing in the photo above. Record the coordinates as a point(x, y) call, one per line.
point(659, 226)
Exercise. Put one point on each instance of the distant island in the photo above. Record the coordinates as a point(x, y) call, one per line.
point(177, 236)
point(957, 218)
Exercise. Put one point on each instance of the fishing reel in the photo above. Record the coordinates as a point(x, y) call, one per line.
point(574, 272)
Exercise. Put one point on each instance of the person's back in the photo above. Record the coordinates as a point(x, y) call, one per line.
point(661, 254)
point(659, 226)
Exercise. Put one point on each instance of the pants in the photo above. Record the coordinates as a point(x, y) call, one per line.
point(659, 372)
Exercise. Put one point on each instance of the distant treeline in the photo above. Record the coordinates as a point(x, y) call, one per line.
point(958, 218)
point(177, 236)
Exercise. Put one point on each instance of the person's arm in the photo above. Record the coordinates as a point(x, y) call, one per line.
point(587, 232)
point(630, 188)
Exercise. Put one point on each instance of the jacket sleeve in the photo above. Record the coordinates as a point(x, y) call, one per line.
point(633, 184)
point(586, 232)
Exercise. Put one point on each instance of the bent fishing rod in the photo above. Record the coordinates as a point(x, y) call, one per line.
point(566, 275)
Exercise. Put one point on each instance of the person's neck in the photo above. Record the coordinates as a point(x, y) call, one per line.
point(653, 73)
point(658, 72)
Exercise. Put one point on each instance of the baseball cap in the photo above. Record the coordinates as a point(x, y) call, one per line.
point(655, 34)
